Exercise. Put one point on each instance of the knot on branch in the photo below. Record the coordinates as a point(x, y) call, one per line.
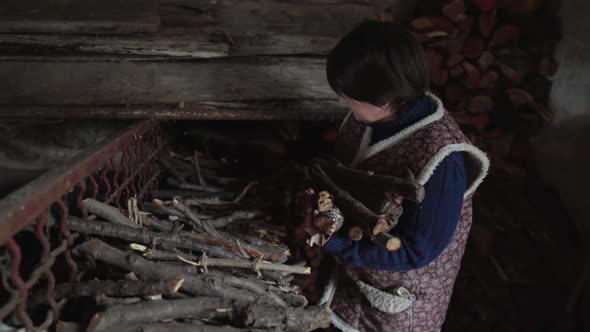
point(204, 262)
point(257, 266)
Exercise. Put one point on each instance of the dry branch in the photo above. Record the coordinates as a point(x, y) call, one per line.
point(353, 209)
point(237, 215)
point(288, 319)
point(388, 241)
point(243, 264)
point(193, 186)
point(118, 288)
point(108, 213)
point(193, 283)
point(352, 180)
point(154, 311)
point(202, 225)
point(147, 237)
point(184, 327)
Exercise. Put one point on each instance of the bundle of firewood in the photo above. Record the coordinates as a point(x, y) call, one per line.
point(199, 256)
point(368, 204)
point(491, 63)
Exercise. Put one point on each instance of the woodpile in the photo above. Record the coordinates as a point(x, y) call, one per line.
point(201, 254)
point(491, 63)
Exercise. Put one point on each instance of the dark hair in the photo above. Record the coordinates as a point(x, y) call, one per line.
point(377, 63)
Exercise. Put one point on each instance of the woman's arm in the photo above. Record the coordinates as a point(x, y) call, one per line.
point(424, 231)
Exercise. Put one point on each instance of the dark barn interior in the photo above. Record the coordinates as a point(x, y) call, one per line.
point(152, 160)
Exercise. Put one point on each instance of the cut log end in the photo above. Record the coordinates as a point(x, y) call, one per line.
point(393, 244)
point(388, 241)
point(355, 233)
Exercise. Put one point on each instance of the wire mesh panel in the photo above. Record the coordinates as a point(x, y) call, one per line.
point(35, 243)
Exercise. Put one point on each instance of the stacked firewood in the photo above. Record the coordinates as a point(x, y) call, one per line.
point(491, 63)
point(199, 255)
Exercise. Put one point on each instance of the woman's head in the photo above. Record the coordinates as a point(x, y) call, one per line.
point(377, 68)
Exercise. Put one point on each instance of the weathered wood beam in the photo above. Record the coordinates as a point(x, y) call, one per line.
point(155, 83)
point(311, 110)
point(79, 16)
point(185, 45)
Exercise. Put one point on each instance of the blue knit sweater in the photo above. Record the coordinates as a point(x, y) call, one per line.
point(425, 229)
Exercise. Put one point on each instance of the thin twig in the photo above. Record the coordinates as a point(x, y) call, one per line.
point(245, 191)
point(198, 169)
point(202, 225)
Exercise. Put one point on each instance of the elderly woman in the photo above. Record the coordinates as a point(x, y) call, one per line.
point(381, 73)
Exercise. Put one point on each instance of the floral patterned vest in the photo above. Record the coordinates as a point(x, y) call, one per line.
point(362, 300)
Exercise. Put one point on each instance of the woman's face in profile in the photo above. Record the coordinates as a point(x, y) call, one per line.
point(365, 112)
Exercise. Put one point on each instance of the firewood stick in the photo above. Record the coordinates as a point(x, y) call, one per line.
point(229, 246)
point(243, 283)
point(287, 319)
point(288, 293)
point(193, 283)
point(351, 207)
point(294, 300)
point(171, 193)
point(245, 191)
point(104, 300)
point(277, 277)
point(193, 186)
point(388, 241)
point(154, 311)
point(202, 225)
point(171, 256)
point(147, 237)
point(158, 224)
point(198, 169)
point(243, 264)
point(108, 213)
point(118, 288)
point(349, 179)
point(255, 317)
point(355, 233)
point(184, 327)
point(160, 208)
point(273, 253)
point(237, 215)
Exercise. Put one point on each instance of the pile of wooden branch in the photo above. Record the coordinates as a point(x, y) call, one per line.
point(199, 256)
point(491, 63)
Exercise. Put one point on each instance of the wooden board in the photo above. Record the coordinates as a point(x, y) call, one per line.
point(79, 16)
point(148, 83)
point(276, 44)
point(201, 45)
point(202, 29)
point(311, 110)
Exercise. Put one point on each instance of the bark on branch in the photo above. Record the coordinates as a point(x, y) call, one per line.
point(154, 311)
point(118, 288)
point(205, 285)
point(354, 180)
point(108, 213)
point(147, 237)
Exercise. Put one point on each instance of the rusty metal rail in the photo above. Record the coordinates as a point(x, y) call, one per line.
point(122, 167)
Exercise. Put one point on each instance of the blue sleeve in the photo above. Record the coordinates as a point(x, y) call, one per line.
point(424, 230)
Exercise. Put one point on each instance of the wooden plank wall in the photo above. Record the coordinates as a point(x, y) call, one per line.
point(207, 60)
